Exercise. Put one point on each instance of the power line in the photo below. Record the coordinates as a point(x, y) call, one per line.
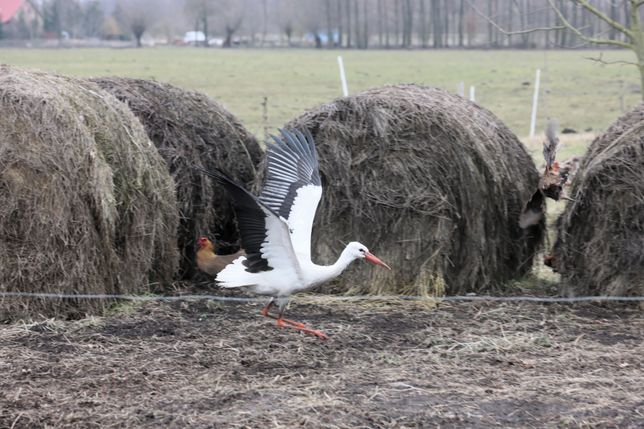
point(327, 298)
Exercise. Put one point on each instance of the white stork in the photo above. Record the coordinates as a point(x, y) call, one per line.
point(276, 228)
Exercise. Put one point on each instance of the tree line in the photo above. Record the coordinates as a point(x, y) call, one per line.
point(359, 24)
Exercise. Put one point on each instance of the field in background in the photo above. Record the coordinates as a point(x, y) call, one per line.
point(582, 94)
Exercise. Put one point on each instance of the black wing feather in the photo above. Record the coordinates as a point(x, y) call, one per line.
point(251, 219)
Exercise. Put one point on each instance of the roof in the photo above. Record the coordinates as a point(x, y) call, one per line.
point(8, 9)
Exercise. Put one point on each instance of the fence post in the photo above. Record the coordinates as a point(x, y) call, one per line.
point(343, 77)
point(535, 102)
point(472, 93)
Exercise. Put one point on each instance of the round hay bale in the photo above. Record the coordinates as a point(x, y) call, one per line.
point(599, 248)
point(190, 129)
point(86, 202)
point(432, 183)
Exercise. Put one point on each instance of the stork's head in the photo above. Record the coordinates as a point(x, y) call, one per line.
point(203, 242)
point(360, 251)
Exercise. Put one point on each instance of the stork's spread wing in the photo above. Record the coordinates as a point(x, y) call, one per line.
point(293, 188)
point(264, 235)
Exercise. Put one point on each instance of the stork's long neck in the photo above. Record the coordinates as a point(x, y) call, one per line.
point(328, 272)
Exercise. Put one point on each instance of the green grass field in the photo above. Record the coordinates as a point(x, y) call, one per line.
point(581, 93)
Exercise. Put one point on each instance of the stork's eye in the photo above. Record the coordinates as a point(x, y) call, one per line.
point(362, 250)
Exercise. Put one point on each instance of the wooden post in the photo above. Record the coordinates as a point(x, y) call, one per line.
point(472, 93)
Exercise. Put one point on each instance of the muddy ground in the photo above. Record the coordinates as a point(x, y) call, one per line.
point(204, 364)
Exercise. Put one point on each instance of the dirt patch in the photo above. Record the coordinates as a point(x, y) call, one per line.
point(205, 364)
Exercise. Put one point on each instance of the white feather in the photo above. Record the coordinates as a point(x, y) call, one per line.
point(300, 220)
point(286, 275)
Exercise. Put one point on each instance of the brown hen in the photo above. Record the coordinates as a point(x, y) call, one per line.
point(210, 262)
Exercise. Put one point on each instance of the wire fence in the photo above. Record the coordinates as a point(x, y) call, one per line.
point(327, 298)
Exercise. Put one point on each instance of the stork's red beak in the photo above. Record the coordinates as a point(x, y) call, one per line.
point(374, 260)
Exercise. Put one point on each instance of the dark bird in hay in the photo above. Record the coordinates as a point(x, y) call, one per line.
point(209, 261)
point(86, 203)
point(436, 182)
point(189, 128)
point(599, 249)
point(276, 229)
point(551, 182)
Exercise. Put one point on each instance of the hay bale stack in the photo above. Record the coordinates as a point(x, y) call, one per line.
point(190, 129)
point(432, 183)
point(600, 243)
point(86, 203)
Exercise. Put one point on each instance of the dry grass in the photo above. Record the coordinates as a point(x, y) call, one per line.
point(600, 234)
point(86, 202)
point(430, 182)
point(190, 129)
point(203, 364)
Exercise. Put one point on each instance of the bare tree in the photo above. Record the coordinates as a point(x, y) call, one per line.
point(365, 25)
point(231, 15)
point(632, 32)
point(407, 22)
point(387, 25)
point(137, 16)
point(202, 11)
point(264, 20)
point(446, 9)
point(285, 19)
point(329, 24)
point(424, 33)
point(93, 17)
point(380, 23)
point(490, 27)
point(437, 24)
point(397, 4)
point(138, 25)
point(172, 19)
point(461, 22)
point(339, 19)
point(347, 15)
point(312, 18)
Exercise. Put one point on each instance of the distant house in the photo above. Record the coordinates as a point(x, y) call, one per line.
point(8, 9)
point(20, 19)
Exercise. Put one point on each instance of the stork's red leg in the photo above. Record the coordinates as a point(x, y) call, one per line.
point(265, 313)
point(281, 322)
point(285, 323)
point(267, 307)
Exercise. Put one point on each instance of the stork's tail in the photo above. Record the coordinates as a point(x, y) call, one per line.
point(235, 275)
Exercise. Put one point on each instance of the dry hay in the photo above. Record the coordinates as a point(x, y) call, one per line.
point(432, 183)
point(190, 129)
point(86, 204)
point(600, 243)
